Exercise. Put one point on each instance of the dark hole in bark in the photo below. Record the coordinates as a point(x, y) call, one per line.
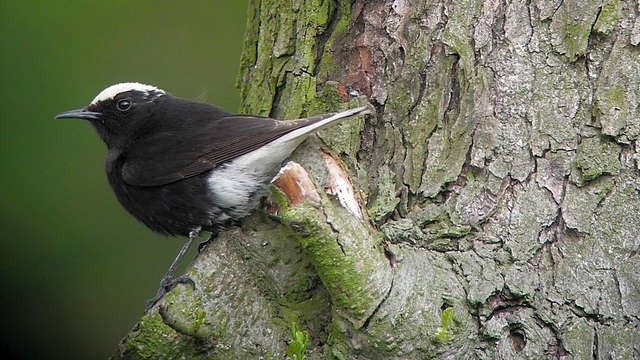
point(517, 339)
point(390, 256)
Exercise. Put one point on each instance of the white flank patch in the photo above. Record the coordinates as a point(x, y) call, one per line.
point(113, 90)
point(234, 185)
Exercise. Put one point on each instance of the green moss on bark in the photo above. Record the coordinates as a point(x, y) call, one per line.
point(597, 157)
point(153, 339)
point(571, 26)
point(608, 17)
point(347, 288)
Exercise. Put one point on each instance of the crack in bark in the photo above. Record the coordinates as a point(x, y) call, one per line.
point(366, 323)
point(527, 5)
point(606, 196)
point(553, 228)
point(464, 282)
point(506, 301)
point(334, 229)
point(590, 40)
point(617, 282)
point(421, 91)
point(335, 14)
point(580, 312)
point(558, 349)
point(453, 103)
point(368, 139)
point(557, 8)
point(594, 349)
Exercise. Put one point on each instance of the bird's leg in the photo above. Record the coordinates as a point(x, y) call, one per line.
point(168, 276)
point(168, 281)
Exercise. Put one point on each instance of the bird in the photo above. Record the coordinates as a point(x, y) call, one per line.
point(181, 167)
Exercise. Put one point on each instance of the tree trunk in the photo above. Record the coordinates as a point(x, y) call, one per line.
point(490, 208)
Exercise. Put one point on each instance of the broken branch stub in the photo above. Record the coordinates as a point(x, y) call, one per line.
point(344, 249)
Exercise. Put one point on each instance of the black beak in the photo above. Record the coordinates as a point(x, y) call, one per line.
point(79, 114)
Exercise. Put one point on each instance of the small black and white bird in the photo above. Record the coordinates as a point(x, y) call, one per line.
point(181, 167)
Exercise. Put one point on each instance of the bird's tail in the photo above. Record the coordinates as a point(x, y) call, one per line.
point(318, 122)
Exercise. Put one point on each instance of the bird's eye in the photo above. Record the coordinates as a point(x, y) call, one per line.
point(123, 104)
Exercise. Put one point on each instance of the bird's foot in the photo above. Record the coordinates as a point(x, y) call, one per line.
point(212, 236)
point(166, 284)
point(203, 245)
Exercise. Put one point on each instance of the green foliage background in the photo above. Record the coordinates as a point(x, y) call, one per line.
point(76, 269)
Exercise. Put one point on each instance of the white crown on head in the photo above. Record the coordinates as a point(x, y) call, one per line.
point(113, 90)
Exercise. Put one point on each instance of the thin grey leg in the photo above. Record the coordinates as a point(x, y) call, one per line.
point(169, 280)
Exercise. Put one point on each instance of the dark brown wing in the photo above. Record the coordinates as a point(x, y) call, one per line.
point(167, 156)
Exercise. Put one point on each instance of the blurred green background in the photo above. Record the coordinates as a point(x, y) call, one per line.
point(76, 269)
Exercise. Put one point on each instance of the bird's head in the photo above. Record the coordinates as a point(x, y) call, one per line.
point(119, 111)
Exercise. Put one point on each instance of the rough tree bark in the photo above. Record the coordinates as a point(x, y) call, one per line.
point(489, 209)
